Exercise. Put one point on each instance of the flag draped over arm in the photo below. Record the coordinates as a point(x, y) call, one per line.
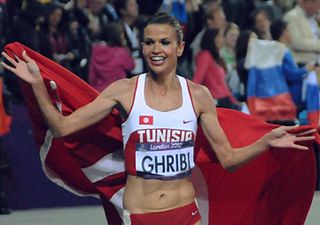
point(275, 188)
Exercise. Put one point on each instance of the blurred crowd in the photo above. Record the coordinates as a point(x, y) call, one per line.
point(99, 40)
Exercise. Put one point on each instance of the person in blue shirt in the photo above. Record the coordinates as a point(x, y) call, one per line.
point(293, 73)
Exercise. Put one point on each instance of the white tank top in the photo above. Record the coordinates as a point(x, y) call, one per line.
point(157, 144)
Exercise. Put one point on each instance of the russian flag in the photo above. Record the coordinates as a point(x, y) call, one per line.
point(312, 99)
point(268, 94)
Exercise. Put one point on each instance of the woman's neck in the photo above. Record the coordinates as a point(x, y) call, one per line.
point(161, 85)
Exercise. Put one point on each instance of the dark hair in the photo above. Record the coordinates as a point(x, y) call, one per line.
point(255, 13)
point(208, 43)
point(253, 17)
point(242, 44)
point(31, 10)
point(165, 18)
point(111, 34)
point(209, 13)
point(277, 28)
point(120, 4)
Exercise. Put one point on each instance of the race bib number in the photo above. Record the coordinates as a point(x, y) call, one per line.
point(167, 159)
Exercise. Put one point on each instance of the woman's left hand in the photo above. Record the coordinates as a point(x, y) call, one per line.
point(281, 137)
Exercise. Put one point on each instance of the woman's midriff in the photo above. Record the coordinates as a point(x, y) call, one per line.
point(151, 195)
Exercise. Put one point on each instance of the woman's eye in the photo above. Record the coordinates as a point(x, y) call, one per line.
point(165, 42)
point(148, 42)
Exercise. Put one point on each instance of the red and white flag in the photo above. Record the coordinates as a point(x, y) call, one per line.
point(145, 120)
point(274, 189)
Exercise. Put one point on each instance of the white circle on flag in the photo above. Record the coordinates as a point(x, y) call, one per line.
point(146, 120)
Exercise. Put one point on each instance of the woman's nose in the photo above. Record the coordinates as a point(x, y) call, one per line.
point(156, 47)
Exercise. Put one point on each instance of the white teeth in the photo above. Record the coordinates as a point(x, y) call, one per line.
point(158, 58)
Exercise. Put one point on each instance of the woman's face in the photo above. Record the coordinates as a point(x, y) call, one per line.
point(161, 48)
point(231, 37)
point(262, 22)
point(55, 17)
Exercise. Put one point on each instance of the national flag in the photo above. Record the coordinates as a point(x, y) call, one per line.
point(276, 188)
point(268, 94)
point(313, 99)
point(145, 120)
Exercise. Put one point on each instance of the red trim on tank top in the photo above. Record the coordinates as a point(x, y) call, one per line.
point(190, 96)
point(134, 98)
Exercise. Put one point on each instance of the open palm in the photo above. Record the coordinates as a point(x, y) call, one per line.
point(281, 138)
point(26, 69)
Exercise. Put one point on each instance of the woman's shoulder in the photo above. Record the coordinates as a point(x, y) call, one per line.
point(197, 91)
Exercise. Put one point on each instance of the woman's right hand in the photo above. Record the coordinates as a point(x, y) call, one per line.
point(26, 69)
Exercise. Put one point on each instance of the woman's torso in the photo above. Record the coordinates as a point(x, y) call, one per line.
point(158, 146)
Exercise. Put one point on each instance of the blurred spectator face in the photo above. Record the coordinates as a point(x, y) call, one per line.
point(311, 7)
point(55, 17)
point(262, 22)
point(96, 6)
point(81, 4)
point(219, 40)
point(131, 9)
point(193, 5)
point(73, 26)
point(231, 36)
point(218, 19)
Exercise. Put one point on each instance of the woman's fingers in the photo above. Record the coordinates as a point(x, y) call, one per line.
point(17, 58)
point(10, 68)
point(300, 147)
point(26, 57)
point(311, 131)
point(306, 138)
point(11, 60)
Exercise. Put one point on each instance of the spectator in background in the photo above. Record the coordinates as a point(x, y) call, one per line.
point(241, 52)
point(293, 74)
point(97, 18)
point(274, 9)
point(211, 70)
point(25, 28)
point(304, 29)
point(79, 10)
point(110, 11)
point(128, 13)
point(227, 52)
point(80, 45)
point(261, 24)
point(63, 43)
point(238, 11)
point(110, 59)
point(214, 17)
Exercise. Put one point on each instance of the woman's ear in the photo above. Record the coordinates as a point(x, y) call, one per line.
point(180, 49)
